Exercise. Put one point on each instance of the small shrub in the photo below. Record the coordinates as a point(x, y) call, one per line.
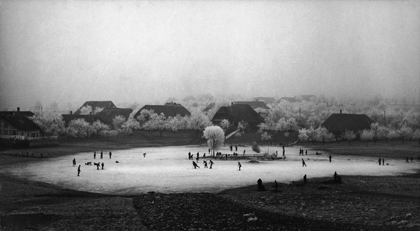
point(256, 148)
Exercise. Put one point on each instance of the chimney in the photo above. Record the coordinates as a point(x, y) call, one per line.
point(18, 109)
point(341, 112)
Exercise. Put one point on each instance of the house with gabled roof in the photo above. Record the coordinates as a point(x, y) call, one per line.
point(237, 113)
point(257, 105)
point(338, 123)
point(107, 115)
point(96, 104)
point(170, 109)
point(17, 125)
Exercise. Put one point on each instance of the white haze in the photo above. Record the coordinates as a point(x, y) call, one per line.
point(148, 51)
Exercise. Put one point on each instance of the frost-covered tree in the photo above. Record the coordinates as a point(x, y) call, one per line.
point(51, 123)
point(224, 124)
point(156, 123)
point(144, 116)
point(265, 136)
point(366, 135)
point(374, 127)
point(117, 122)
point(322, 134)
point(86, 110)
point(215, 137)
point(128, 126)
point(79, 128)
point(392, 135)
point(405, 133)
point(198, 121)
point(99, 127)
point(416, 135)
point(348, 135)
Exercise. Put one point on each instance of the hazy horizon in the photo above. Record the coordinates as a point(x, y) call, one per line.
point(148, 51)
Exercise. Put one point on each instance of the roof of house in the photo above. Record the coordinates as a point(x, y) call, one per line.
point(289, 99)
point(10, 113)
point(21, 122)
point(108, 114)
point(169, 110)
point(236, 113)
point(337, 123)
point(254, 104)
point(266, 99)
point(96, 104)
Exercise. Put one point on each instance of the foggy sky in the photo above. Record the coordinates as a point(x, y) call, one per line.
point(146, 51)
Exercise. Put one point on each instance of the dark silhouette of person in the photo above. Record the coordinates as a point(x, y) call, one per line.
point(379, 160)
point(276, 186)
point(303, 163)
point(330, 158)
point(78, 170)
point(230, 147)
point(144, 155)
point(337, 178)
point(110, 155)
point(189, 155)
point(102, 165)
point(383, 161)
point(236, 148)
point(406, 160)
point(205, 163)
point(74, 162)
point(204, 155)
point(102, 154)
point(211, 164)
point(97, 166)
point(304, 179)
point(283, 152)
point(306, 152)
point(239, 165)
point(244, 152)
point(94, 155)
point(260, 185)
point(195, 165)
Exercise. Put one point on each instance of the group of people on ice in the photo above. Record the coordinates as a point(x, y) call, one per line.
point(98, 165)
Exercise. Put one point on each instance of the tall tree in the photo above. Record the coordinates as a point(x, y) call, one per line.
point(215, 137)
point(348, 135)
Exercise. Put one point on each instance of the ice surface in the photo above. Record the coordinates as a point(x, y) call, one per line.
point(167, 169)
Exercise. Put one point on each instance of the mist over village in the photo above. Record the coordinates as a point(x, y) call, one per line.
point(209, 115)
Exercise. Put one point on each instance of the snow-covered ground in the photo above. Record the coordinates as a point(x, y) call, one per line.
point(167, 169)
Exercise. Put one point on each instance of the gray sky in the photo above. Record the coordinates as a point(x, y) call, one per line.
point(146, 51)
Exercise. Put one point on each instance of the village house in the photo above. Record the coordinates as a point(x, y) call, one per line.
point(15, 125)
point(170, 109)
point(103, 111)
point(337, 123)
point(96, 105)
point(258, 106)
point(237, 113)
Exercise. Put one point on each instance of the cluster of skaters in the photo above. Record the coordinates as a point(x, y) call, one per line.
point(99, 165)
point(205, 164)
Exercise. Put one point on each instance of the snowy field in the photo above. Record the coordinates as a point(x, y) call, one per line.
point(167, 169)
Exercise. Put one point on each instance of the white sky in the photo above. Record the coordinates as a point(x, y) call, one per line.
point(145, 51)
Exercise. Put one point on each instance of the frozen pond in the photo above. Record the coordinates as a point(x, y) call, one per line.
point(167, 169)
